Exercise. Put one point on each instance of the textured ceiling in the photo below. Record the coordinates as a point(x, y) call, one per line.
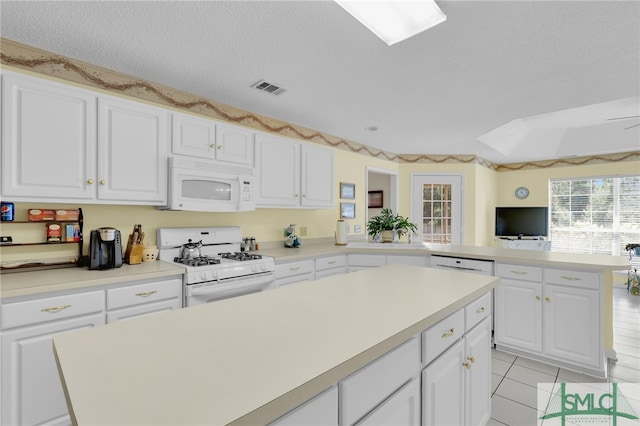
point(495, 73)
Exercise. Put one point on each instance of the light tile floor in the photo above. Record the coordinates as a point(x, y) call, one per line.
point(514, 379)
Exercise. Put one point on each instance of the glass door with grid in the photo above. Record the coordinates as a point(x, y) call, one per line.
point(437, 207)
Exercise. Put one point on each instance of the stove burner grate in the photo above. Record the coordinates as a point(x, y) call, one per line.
point(197, 261)
point(240, 256)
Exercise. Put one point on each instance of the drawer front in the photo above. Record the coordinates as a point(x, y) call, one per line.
point(144, 293)
point(572, 278)
point(143, 310)
point(519, 272)
point(368, 387)
point(291, 269)
point(476, 311)
point(51, 309)
point(407, 260)
point(330, 262)
point(440, 336)
point(329, 272)
point(366, 260)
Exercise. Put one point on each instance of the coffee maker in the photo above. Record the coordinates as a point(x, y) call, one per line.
point(105, 249)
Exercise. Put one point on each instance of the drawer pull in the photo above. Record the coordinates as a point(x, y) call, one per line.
point(519, 272)
point(331, 262)
point(147, 294)
point(55, 308)
point(448, 333)
point(570, 278)
point(480, 310)
point(294, 269)
point(467, 365)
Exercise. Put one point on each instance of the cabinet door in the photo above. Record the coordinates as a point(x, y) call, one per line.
point(478, 374)
point(48, 140)
point(316, 171)
point(518, 314)
point(278, 168)
point(193, 136)
point(31, 388)
point(132, 152)
point(401, 409)
point(234, 144)
point(443, 389)
point(572, 325)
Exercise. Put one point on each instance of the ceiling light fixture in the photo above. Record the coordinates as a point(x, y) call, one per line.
point(394, 21)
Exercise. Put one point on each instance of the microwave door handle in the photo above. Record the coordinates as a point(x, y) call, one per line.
point(239, 206)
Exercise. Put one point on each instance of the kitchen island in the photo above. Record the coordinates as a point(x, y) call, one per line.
point(251, 359)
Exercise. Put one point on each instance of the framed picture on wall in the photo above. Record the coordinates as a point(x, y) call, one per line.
point(347, 190)
point(347, 210)
point(375, 199)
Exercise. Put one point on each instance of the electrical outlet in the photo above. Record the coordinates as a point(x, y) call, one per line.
point(303, 231)
point(357, 229)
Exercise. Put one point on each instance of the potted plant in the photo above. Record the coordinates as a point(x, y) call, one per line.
point(385, 223)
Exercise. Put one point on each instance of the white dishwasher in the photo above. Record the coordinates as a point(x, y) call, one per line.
point(475, 266)
point(483, 267)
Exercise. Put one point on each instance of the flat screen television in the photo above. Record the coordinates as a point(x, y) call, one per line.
point(522, 221)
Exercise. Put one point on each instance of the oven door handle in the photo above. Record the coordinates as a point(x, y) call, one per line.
point(233, 286)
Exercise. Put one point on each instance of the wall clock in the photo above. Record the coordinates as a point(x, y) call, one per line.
point(522, 192)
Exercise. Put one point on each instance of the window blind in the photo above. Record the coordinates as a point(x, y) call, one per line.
point(595, 215)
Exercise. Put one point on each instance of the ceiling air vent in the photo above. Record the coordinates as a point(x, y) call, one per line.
point(265, 86)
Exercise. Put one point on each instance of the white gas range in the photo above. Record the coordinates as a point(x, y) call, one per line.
point(221, 270)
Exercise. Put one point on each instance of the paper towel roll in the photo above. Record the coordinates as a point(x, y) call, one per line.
point(341, 232)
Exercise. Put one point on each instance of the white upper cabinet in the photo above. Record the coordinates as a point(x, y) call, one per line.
point(48, 139)
point(65, 144)
point(208, 139)
point(193, 136)
point(234, 144)
point(132, 151)
point(293, 174)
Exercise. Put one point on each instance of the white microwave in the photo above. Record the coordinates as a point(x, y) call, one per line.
point(203, 186)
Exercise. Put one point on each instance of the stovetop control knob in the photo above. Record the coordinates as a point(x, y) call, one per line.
point(263, 267)
point(254, 268)
point(203, 276)
point(214, 275)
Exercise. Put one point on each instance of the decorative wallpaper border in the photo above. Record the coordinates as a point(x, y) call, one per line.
point(39, 61)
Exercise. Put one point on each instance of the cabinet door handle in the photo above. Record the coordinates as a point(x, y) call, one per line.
point(219, 146)
point(448, 333)
point(570, 278)
point(537, 297)
point(55, 309)
point(213, 145)
point(147, 294)
point(467, 365)
point(519, 272)
point(480, 310)
point(546, 299)
point(472, 359)
point(90, 181)
point(103, 182)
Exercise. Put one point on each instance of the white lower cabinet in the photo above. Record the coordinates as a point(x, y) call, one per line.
point(402, 408)
point(554, 315)
point(294, 272)
point(440, 377)
point(331, 265)
point(456, 388)
point(143, 299)
point(31, 390)
point(321, 410)
point(358, 262)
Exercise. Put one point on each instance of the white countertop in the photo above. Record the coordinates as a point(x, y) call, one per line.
point(44, 281)
point(250, 359)
point(498, 254)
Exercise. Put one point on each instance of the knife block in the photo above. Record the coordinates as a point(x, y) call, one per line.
point(133, 253)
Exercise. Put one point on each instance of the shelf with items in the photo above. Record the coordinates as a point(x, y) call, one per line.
point(68, 231)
